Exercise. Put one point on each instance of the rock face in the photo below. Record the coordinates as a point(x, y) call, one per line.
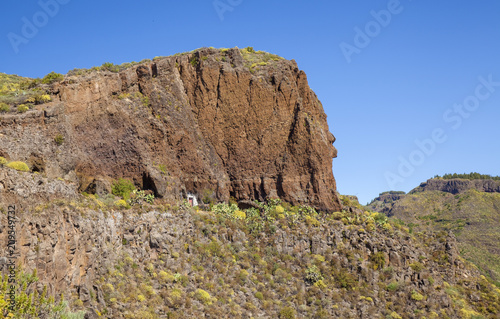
point(459, 186)
point(385, 201)
point(205, 123)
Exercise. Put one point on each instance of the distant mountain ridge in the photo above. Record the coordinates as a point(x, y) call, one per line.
point(458, 186)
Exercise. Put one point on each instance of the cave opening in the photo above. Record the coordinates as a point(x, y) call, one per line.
point(148, 183)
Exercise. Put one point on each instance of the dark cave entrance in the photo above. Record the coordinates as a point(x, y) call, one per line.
point(148, 183)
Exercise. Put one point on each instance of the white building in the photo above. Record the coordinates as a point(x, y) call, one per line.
point(192, 199)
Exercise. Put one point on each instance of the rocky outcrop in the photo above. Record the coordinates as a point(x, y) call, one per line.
point(27, 189)
point(385, 201)
point(458, 186)
point(202, 122)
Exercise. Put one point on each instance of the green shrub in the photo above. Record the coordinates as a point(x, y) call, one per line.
point(52, 77)
point(39, 99)
point(59, 139)
point(32, 304)
point(287, 313)
point(203, 296)
point(3, 160)
point(395, 315)
point(393, 286)
point(416, 266)
point(194, 61)
point(416, 296)
point(22, 108)
point(122, 204)
point(313, 274)
point(337, 215)
point(110, 67)
point(123, 188)
point(208, 196)
point(145, 100)
point(259, 295)
point(19, 166)
point(345, 279)
point(163, 168)
point(4, 107)
point(378, 260)
point(225, 210)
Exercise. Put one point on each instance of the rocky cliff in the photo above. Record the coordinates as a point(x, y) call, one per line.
point(385, 201)
point(218, 123)
point(458, 186)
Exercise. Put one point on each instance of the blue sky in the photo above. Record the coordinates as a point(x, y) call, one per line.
point(410, 87)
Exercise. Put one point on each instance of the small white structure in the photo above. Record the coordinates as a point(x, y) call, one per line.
point(192, 200)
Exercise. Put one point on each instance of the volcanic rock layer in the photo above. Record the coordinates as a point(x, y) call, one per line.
point(208, 122)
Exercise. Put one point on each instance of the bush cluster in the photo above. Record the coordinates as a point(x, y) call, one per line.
point(33, 304)
point(19, 166)
point(122, 188)
point(52, 77)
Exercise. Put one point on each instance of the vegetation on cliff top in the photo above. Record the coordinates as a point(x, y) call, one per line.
point(470, 176)
point(253, 61)
point(21, 94)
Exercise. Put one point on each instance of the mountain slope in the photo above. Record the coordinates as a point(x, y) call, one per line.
point(468, 208)
point(272, 261)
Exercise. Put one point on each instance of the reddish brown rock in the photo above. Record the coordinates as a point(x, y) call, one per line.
point(207, 121)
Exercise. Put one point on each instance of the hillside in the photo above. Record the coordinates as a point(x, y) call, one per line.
point(468, 208)
point(271, 261)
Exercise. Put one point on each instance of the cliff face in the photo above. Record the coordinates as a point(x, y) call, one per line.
point(458, 186)
point(385, 201)
point(206, 122)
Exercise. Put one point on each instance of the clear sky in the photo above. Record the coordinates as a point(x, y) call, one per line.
point(411, 87)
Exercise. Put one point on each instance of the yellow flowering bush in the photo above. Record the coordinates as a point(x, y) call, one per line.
point(19, 166)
